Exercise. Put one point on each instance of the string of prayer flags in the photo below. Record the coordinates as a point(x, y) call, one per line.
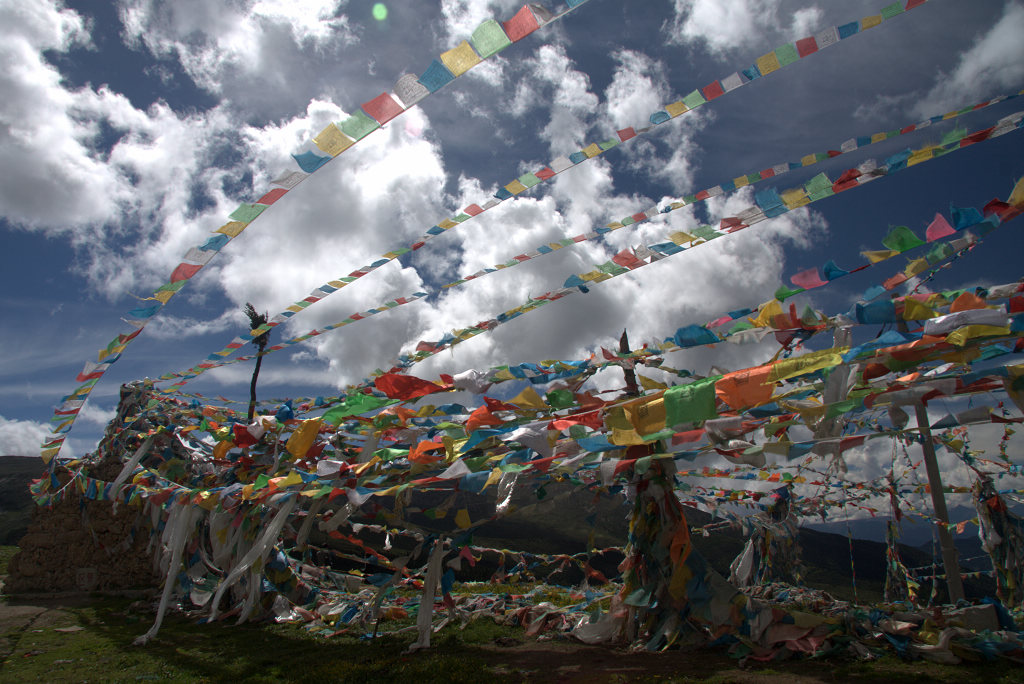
point(817, 188)
point(531, 179)
point(879, 313)
point(333, 140)
point(384, 108)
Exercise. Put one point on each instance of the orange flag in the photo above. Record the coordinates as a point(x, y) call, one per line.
point(481, 418)
point(419, 453)
point(746, 388)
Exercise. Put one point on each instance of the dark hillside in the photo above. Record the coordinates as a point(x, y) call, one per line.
point(16, 473)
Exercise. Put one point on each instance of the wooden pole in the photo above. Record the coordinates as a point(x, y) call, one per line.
point(950, 560)
point(631, 387)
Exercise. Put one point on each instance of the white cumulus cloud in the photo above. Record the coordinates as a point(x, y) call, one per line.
point(22, 437)
point(993, 65)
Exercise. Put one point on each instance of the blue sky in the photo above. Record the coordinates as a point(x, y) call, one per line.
point(132, 129)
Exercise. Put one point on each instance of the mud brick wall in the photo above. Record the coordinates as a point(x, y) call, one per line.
point(83, 545)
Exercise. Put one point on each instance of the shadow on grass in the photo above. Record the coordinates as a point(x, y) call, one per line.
point(260, 652)
point(484, 652)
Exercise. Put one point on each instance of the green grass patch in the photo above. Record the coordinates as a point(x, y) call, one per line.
point(98, 647)
point(187, 652)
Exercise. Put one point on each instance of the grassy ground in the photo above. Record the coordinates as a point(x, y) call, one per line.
point(89, 639)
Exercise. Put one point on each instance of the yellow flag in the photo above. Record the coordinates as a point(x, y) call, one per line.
point(651, 384)
point(676, 108)
point(914, 310)
point(680, 238)
point(615, 418)
point(870, 22)
point(875, 256)
point(647, 415)
point(493, 478)
point(332, 141)
point(625, 437)
point(768, 63)
point(503, 374)
point(208, 501)
point(460, 58)
point(302, 439)
point(232, 228)
point(960, 336)
point(363, 467)
point(515, 187)
point(777, 448)
point(916, 266)
point(529, 399)
point(810, 411)
point(795, 198)
point(807, 363)
point(918, 156)
point(767, 312)
point(288, 480)
point(1017, 196)
point(462, 518)
point(1016, 396)
point(221, 449)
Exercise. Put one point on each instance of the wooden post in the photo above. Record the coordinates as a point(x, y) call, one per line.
point(631, 387)
point(836, 389)
point(950, 560)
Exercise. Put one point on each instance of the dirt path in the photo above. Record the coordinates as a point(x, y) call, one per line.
point(21, 617)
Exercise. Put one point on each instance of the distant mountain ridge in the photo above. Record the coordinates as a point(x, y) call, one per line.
point(829, 563)
point(16, 504)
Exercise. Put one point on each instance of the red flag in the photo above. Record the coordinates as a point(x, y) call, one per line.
point(591, 419)
point(406, 387)
point(184, 271)
point(520, 25)
point(496, 405)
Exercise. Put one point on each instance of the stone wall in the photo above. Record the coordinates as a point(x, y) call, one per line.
point(83, 545)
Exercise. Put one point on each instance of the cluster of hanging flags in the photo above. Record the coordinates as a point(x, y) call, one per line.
point(249, 479)
point(487, 40)
point(959, 328)
point(393, 448)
